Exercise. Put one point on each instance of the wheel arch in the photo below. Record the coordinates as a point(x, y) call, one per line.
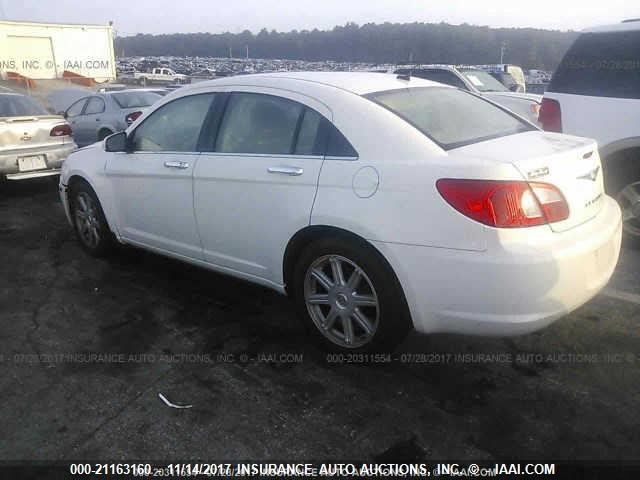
point(620, 162)
point(76, 179)
point(307, 235)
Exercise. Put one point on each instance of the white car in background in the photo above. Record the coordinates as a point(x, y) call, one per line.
point(595, 92)
point(378, 203)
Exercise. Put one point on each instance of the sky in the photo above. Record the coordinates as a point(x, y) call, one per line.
point(215, 16)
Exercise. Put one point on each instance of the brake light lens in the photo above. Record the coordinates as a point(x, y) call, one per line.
point(505, 204)
point(61, 131)
point(132, 117)
point(550, 115)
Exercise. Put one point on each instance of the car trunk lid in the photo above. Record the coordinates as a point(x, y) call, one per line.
point(17, 133)
point(572, 164)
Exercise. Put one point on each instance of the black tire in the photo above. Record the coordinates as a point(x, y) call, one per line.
point(390, 316)
point(620, 175)
point(89, 222)
point(104, 133)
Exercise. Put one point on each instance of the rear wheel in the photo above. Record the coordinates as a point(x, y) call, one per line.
point(349, 297)
point(89, 221)
point(623, 183)
point(629, 200)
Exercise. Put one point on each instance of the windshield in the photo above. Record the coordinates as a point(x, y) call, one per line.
point(483, 81)
point(450, 117)
point(135, 99)
point(19, 106)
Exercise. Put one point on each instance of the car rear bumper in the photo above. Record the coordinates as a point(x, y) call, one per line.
point(509, 289)
point(53, 157)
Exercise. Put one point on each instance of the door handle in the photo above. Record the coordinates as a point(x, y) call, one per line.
point(292, 171)
point(181, 165)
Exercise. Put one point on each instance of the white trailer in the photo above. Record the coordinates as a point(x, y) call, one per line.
point(41, 51)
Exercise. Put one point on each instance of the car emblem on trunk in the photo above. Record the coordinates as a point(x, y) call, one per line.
point(538, 172)
point(592, 175)
point(26, 137)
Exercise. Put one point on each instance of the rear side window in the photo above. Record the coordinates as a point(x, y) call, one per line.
point(601, 65)
point(318, 136)
point(309, 142)
point(259, 124)
point(94, 105)
point(174, 127)
point(76, 109)
point(450, 117)
point(337, 144)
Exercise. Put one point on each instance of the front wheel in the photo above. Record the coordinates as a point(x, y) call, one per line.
point(349, 297)
point(89, 221)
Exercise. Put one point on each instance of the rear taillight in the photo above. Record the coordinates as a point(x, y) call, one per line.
point(61, 131)
point(505, 204)
point(132, 117)
point(550, 115)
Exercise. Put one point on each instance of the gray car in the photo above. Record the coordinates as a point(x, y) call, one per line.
point(33, 143)
point(97, 116)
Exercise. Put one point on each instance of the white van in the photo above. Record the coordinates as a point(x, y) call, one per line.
point(595, 92)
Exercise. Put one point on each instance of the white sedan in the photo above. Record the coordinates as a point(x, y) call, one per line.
point(379, 203)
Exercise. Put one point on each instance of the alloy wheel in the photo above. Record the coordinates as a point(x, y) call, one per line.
point(87, 220)
point(341, 301)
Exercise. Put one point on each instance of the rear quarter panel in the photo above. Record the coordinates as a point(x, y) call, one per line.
point(406, 206)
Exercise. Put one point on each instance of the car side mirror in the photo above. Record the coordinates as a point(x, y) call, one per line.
point(515, 87)
point(116, 142)
point(63, 114)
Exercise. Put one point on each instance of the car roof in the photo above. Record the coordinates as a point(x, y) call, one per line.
point(628, 26)
point(359, 83)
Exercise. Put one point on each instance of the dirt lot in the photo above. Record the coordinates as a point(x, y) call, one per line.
point(569, 392)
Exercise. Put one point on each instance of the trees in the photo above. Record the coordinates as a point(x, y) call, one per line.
point(374, 43)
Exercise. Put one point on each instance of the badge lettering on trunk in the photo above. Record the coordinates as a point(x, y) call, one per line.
point(538, 172)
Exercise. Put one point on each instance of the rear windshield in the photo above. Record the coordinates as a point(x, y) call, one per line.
point(483, 81)
point(450, 117)
point(601, 65)
point(135, 99)
point(19, 106)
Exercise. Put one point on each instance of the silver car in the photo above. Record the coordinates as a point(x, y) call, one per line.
point(97, 116)
point(33, 143)
point(482, 83)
